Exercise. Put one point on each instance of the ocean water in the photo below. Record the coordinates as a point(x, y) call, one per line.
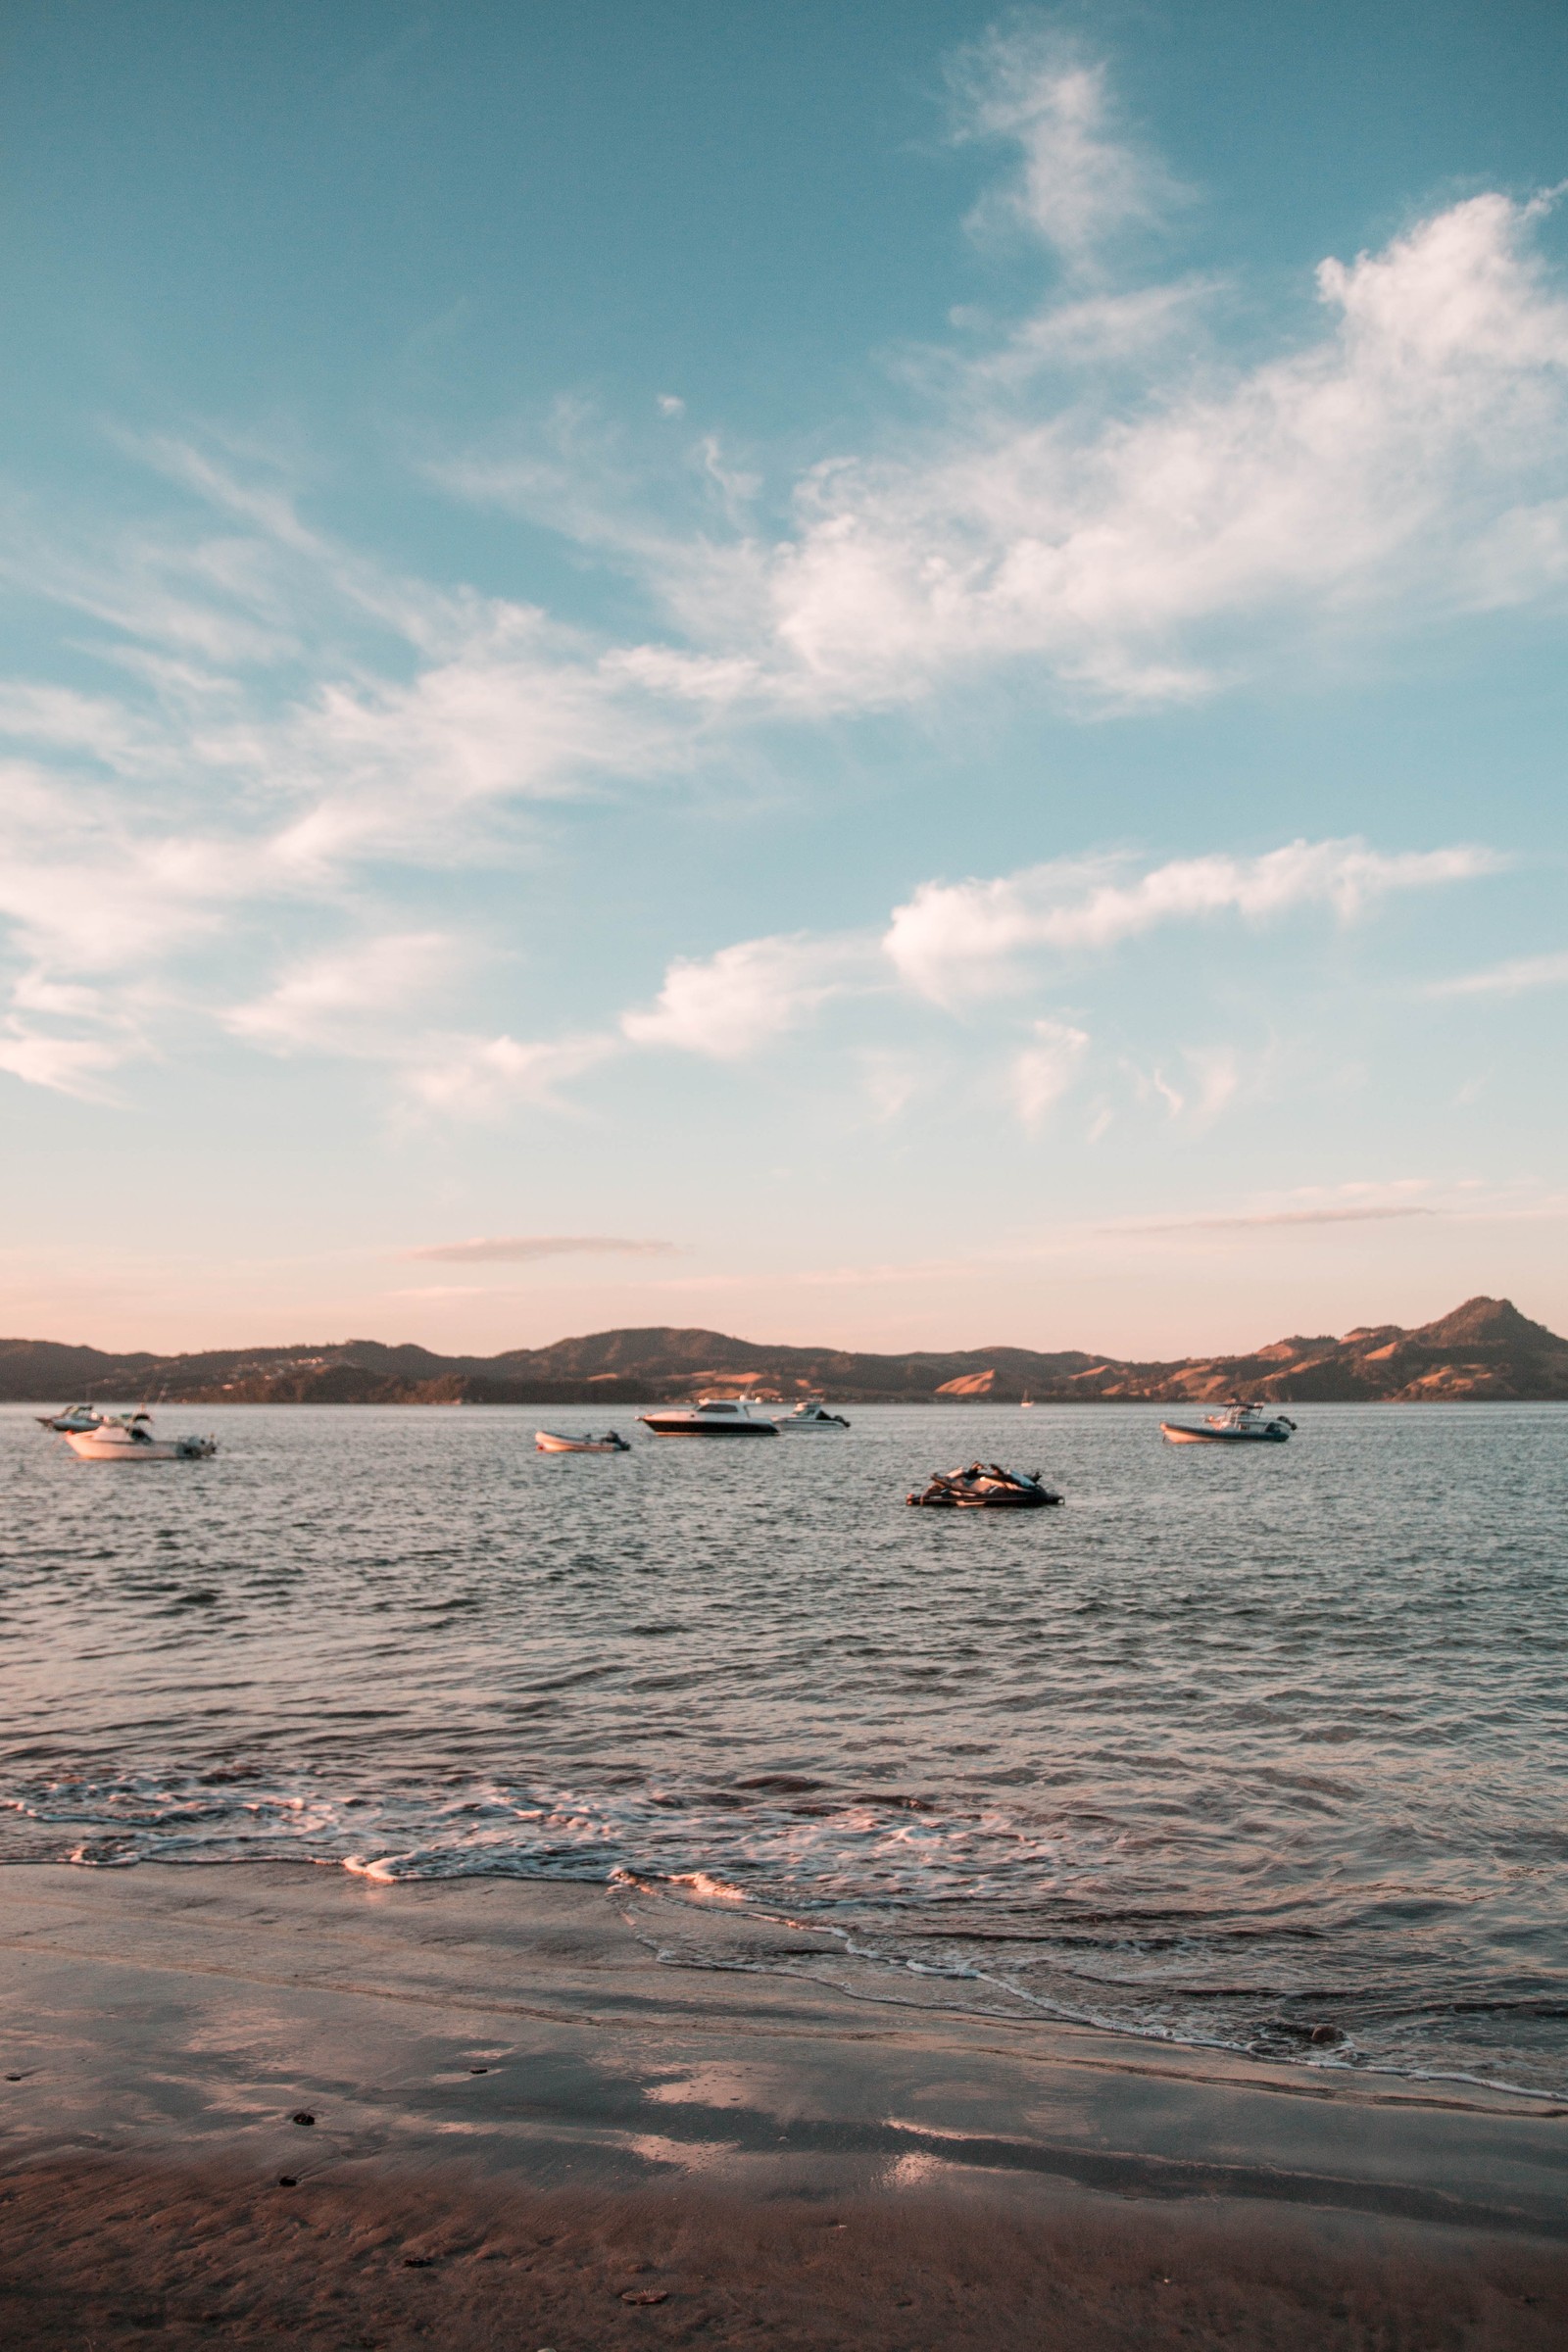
point(1236, 1745)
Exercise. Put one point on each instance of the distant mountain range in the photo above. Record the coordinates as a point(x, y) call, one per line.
point(1486, 1349)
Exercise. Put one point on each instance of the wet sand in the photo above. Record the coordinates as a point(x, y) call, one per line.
point(521, 2119)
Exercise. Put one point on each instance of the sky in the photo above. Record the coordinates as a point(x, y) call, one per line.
point(886, 676)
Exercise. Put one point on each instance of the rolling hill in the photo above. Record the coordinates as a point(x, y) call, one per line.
point(1484, 1350)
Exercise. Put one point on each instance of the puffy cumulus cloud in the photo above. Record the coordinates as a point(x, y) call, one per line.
point(731, 1004)
point(956, 940)
point(1409, 463)
point(1045, 1071)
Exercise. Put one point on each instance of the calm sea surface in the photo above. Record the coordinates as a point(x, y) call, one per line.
point(1236, 1744)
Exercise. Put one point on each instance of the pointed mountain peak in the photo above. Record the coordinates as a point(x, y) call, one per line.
point(1485, 1323)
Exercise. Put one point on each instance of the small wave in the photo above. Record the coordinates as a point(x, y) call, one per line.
point(703, 1882)
point(979, 1908)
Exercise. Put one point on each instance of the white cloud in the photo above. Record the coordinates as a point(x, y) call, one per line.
point(358, 999)
point(1268, 1217)
point(729, 1004)
point(289, 719)
point(472, 1077)
point(1510, 979)
point(956, 940)
point(1406, 464)
point(64, 1065)
point(1078, 186)
point(1219, 1073)
point(1043, 1071)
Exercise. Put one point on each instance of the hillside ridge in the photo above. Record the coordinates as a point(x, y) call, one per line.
point(1482, 1351)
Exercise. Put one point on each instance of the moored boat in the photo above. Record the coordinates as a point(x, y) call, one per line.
point(128, 1438)
point(1238, 1424)
point(813, 1413)
point(709, 1418)
point(550, 1441)
point(70, 1417)
point(984, 1486)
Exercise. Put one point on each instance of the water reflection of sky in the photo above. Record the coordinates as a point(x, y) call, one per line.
point(1228, 1747)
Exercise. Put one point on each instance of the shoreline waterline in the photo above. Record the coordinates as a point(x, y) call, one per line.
point(281, 2095)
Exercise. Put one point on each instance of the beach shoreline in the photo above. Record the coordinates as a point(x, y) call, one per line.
point(496, 2063)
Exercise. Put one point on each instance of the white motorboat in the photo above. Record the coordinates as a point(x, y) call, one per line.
point(550, 1441)
point(1238, 1424)
point(128, 1438)
point(710, 1417)
point(812, 1414)
point(70, 1417)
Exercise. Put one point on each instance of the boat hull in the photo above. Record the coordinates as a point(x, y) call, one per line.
point(89, 1446)
point(709, 1429)
point(1038, 1501)
point(1179, 1433)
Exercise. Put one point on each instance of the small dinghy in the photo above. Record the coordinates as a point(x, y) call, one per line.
point(550, 1441)
point(984, 1487)
point(128, 1438)
point(1239, 1424)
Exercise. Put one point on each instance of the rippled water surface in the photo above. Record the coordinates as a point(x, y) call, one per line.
point(1236, 1745)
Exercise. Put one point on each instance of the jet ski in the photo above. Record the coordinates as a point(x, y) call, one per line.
point(984, 1487)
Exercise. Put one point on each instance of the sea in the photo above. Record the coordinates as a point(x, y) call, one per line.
point(1262, 1748)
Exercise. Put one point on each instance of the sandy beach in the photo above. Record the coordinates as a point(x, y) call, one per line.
point(528, 2129)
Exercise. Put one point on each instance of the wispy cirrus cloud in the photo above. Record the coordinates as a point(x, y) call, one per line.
point(1243, 1222)
point(1080, 184)
point(485, 1077)
point(729, 1004)
point(1145, 552)
point(517, 1250)
point(956, 940)
point(1042, 1072)
point(287, 717)
point(956, 947)
point(1511, 979)
point(356, 1000)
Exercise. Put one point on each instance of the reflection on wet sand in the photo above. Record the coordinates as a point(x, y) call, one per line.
point(512, 2092)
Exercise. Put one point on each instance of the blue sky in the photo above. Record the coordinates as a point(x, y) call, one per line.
point(888, 675)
